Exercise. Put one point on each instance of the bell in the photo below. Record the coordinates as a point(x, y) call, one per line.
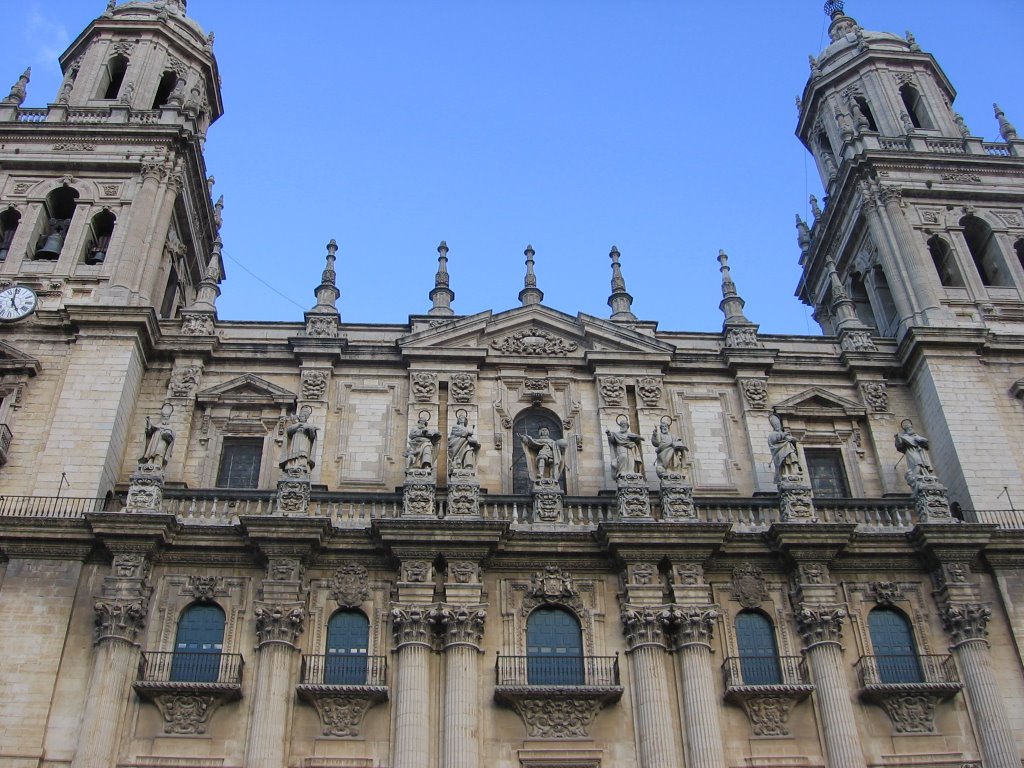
point(51, 246)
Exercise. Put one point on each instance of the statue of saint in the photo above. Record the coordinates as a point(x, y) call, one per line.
point(784, 453)
point(547, 461)
point(915, 448)
point(159, 439)
point(670, 456)
point(419, 454)
point(627, 449)
point(300, 436)
point(462, 444)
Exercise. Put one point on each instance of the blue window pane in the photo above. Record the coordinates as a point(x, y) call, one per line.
point(348, 640)
point(759, 656)
point(893, 643)
point(554, 648)
point(198, 645)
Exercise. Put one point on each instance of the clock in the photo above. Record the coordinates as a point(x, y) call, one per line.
point(16, 302)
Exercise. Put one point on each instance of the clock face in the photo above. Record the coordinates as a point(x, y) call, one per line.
point(16, 302)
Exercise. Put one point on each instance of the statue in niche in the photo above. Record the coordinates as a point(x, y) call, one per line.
point(463, 445)
point(784, 453)
point(915, 448)
point(547, 460)
point(300, 436)
point(159, 439)
point(627, 449)
point(422, 442)
point(670, 451)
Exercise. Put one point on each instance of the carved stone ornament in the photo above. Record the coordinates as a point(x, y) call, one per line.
point(534, 386)
point(642, 574)
point(648, 389)
point(552, 585)
point(145, 489)
point(424, 386)
point(966, 621)
point(886, 592)
point(314, 385)
point(692, 625)
point(632, 497)
point(187, 713)
point(769, 713)
point(742, 338)
point(411, 624)
point(184, 381)
point(911, 712)
point(876, 396)
point(677, 500)
point(643, 625)
point(613, 389)
point(689, 574)
point(293, 495)
point(120, 619)
point(342, 715)
point(534, 342)
point(547, 500)
point(558, 716)
point(755, 391)
point(464, 572)
point(198, 325)
point(748, 586)
point(931, 500)
point(462, 387)
point(322, 326)
point(857, 341)
point(415, 571)
point(349, 586)
point(203, 588)
point(129, 565)
point(279, 624)
point(813, 574)
point(418, 493)
point(463, 499)
point(795, 503)
point(460, 625)
point(820, 624)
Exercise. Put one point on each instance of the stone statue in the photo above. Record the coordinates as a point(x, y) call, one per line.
point(547, 461)
point(159, 439)
point(915, 448)
point(463, 445)
point(300, 437)
point(670, 451)
point(422, 442)
point(627, 449)
point(784, 453)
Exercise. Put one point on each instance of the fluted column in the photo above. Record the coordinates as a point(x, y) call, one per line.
point(154, 243)
point(966, 623)
point(820, 628)
point(141, 214)
point(695, 627)
point(463, 629)
point(645, 637)
point(411, 627)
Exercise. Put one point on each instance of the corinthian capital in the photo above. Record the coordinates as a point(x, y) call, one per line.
point(279, 623)
point(461, 625)
point(120, 619)
point(411, 624)
point(820, 624)
point(644, 626)
point(966, 621)
point(155, 170)
point(692, 625)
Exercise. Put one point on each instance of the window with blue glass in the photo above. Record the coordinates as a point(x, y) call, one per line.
point(759, 655)
point(348, 640)
point(892, 639)
point(554, 648)
point(198, 645)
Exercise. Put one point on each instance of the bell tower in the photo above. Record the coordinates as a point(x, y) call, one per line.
point(921, 234)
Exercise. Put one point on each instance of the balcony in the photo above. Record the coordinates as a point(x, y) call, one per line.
point(767, 688)
point(343, 687)
point(908, 687)
point(557, 696)
point(188, 687)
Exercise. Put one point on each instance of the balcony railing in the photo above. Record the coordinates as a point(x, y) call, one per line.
point(336, 669)
point(159, 671)
point(756, 671)
point(65, 507)
point(560, 671)
point(908, 670)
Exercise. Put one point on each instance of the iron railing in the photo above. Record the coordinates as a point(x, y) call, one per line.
point(184, 667)
point(344, 669)
point(587, 671)
point(907, 669)
point(744, 671)
point(48, 506)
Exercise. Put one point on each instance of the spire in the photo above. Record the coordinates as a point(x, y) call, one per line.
point(1006, 129)
point(19, 90)
point(620, 301)
point(803, 233)
point(442, 296)
point(327, 292)
point(530, 294)
point(209, 287)
point(731, 304)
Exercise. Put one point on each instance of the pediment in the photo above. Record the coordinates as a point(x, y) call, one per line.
point(819, 402)
point(13, 360)
point(247, 388)
point(533, 332)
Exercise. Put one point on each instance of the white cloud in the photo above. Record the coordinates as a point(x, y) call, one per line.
point(46, 38)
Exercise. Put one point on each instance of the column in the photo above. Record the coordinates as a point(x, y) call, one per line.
point(280, 619)
point(820, 628)
point(645, 638)
point(411, 627)
point(120, 616)
point(966, 623)
point(153, 245)
point(695, 627)
point(130, 264)
point(463, 628)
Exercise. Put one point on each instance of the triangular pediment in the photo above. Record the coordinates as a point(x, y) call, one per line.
point(247, 388)
point(533, 332)
point(13, 360)
point(819, 402)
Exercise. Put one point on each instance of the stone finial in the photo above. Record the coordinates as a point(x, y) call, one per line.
point(1006, 129)
point(815, 209)
point(209, 287)
point(620, 301)
point(19, 90)
point(442, 295)
point(218, 213)
point(803, 233)
point(327, 292)
point(912, 41)
point(530, 294)
point(961, 125)
point(731, 304)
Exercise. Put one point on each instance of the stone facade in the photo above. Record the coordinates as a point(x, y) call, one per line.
point(451, 485)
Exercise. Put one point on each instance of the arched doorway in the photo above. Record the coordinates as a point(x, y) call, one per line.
point(198, 644)
point(554, 648)
point(529, 422)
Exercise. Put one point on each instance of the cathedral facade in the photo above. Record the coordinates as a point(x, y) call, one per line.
point(520, 538)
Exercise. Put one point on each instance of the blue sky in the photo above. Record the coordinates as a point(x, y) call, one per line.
point(664, 128)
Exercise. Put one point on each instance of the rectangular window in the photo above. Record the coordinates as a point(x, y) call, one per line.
point(828, 477)
point(240, 463)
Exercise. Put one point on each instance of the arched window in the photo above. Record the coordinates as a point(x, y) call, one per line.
point(554, 648)
point(58, 208)
point(163, 91)
point(859, 296)
point(348, 640)
point(1019, 248)
point(98, 237)
point(883, 305)
point(866, 111)
point(759, 655)
point(981, 242)
point(892, 640)
point(198, 644)
point(914, 105)
point(9, 220)
point(530, 422)
point(113, 77)
point(945, 262)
